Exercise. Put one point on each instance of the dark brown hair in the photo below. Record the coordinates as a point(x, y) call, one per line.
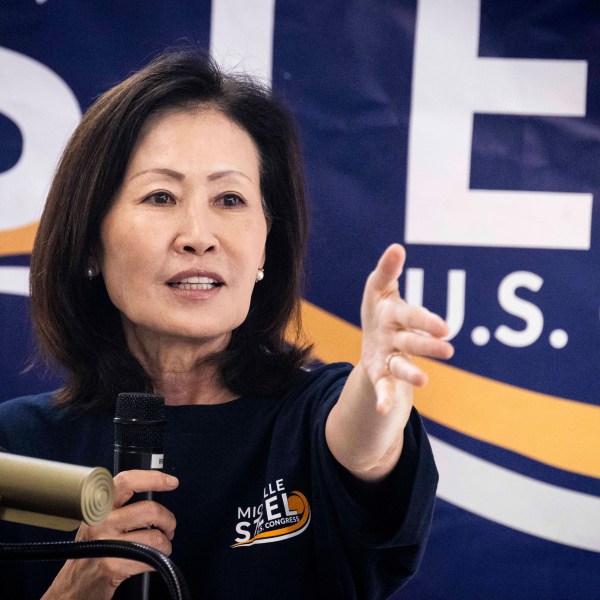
point(76, 324)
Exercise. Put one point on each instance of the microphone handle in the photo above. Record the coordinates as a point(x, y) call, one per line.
point(137, 587)
point(128, 459)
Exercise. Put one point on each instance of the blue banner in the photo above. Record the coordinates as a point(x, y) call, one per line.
point(469, 131)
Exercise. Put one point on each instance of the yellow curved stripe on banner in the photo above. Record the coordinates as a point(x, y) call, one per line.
point(17, 241)
point(558, 432)
point(299, 503)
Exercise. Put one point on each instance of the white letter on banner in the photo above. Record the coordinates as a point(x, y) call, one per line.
point(450, 84)
point(241, 36)
point(45, 110)
point(455, 312)
point(529, 312)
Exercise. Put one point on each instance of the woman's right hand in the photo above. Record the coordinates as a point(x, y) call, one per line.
point(145, 522)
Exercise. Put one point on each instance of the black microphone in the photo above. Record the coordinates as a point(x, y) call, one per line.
point(139, 440)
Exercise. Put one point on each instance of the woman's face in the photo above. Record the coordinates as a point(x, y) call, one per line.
point(186, 234)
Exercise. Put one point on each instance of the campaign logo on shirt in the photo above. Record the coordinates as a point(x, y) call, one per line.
point(281, 515)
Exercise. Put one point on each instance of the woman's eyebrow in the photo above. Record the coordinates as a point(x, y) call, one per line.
point(220, 174)
point(161, 171)
point(180, 176)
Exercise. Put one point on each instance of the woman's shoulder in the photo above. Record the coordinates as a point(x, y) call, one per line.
point(26, 405)
point(319, 378)
point(38, 402)
point(21, 417)
point(316, 391)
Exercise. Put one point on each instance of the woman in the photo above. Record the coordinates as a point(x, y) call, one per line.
point(169, 259)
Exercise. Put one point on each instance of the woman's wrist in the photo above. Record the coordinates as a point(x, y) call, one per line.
point(76, 581)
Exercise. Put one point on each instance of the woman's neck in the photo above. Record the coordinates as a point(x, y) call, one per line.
point(181, 369)
point(180, 388)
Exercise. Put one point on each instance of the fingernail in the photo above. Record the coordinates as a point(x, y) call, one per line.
point(172, 481)
point(415, 375)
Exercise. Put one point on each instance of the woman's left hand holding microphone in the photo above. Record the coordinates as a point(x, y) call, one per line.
point(145, 522)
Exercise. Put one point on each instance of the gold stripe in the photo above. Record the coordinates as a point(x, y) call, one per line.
point(17, 241)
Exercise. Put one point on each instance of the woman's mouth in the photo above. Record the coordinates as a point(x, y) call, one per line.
point(195, 283)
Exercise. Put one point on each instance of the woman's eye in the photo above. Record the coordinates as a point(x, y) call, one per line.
point(160, 198)
point(230, 200)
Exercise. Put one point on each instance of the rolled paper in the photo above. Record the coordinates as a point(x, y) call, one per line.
point(53, 494)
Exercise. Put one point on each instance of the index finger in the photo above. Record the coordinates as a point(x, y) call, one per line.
point(128, 483)
point(384, 279)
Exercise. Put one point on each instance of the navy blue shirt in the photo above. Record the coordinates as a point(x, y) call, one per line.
point(263, 509)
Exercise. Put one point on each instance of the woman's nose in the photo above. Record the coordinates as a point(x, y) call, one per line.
point(196, 233)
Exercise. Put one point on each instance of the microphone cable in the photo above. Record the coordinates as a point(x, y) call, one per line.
point(44, 551)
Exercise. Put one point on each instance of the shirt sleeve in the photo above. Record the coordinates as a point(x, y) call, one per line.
point(374, 535)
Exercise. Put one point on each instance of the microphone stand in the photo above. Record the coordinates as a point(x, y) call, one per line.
point(176, 584)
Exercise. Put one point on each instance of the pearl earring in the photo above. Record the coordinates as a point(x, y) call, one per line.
point(90, 273)
point(260, 275)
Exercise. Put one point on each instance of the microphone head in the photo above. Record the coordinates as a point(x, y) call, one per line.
point(139, 422)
